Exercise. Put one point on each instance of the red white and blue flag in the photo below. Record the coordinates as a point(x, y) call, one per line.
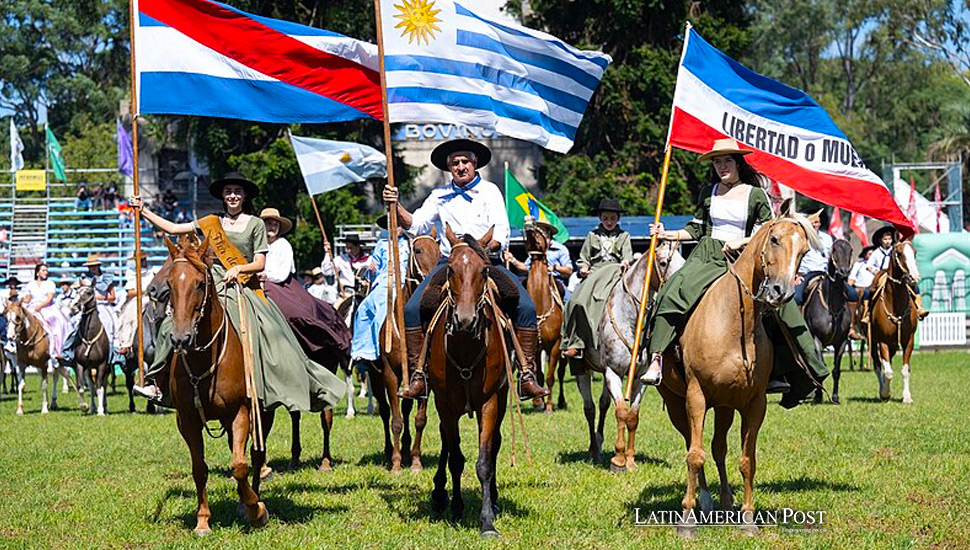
point(794, 140)
point(203, 58)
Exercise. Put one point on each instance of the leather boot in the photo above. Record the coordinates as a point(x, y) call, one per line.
point(418, 387)
point(529, 387)
point(920, 312)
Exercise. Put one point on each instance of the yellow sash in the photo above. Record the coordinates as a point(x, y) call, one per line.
point(227, 252)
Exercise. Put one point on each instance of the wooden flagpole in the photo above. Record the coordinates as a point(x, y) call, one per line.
point(323, 233)
point(132, 9)
point(395, 307)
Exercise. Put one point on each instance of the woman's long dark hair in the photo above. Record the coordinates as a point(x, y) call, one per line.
point(37, 269)
point(746, 173)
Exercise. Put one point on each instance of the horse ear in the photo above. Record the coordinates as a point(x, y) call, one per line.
point(203, 247)
point(815, 217)
point(450, 235)
point(487, 238)
point(173, 249)
point(786, 208)
point(434, 232)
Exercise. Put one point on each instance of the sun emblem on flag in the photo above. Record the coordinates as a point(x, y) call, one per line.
point(418, 18)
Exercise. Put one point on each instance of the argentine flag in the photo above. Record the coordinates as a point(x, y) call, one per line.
point(444, 63)
point(327, 165)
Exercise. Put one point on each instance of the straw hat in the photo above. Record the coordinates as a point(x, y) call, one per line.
point(439, 156)
point(92, 260)
point(551, 229)
point(317, 272)
point(725, 146)
point(142, 255)
point(235, 178)
point(273, 214)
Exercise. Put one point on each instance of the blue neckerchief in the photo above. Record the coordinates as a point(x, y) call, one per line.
point(462, 191)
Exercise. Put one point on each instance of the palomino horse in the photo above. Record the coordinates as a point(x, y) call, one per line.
point(542, 288)
point(612, 357)
point(727, 358)
point(826, 311)
point(893, 318)
point(33, 350)
point(385, 375)
point(92, 351)
point(207, 380)
point(469, 374)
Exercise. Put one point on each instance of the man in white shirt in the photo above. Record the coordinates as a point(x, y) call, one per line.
point(885, 238)
point(470, 206)
point(320, 289)
point(814, 263)
point(346, 265)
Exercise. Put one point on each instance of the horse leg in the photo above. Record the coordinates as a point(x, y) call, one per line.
point(884, 369)
point(326, 422)
point(676, 406)
point(191, 429)
point(696, 411)
point(129, 386)
point(397, 422)
point(751, 419)
point(259, 457)
point(420, 421)
point(370, 393)
point(818, 391)
point(456, 463)
point(384, 409)
point(296, 446)
point(439, 494)
point(102, 385)
point(249, 505)
point(363, 386)
point(56, 375)
point(20, 389)
point(561, 367)
point(488, 428)
point(584, 382)
point(614, 385)
point(723, 418)
point(349, 379)
point(406, 406)
point(538, 403)
point(837, 369)
point(43, 389)
point(907, 353)
point(632, 423)
point(551, 375)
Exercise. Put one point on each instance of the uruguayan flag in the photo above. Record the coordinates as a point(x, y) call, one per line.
point(446, 64)
point(329, 165)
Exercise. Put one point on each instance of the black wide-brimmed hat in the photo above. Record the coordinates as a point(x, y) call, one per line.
point(235, 178)
point(353, 239)
point(870, 248)
point(877, 234)
point(381, 222)
point(12, 282)
point(439, 156)
point(608, 205)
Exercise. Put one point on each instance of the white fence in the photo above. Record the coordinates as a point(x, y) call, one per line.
point(943, 329)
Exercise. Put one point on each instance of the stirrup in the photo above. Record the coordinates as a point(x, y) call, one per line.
point(150, 392)
point(656, 378)
point(419, 396)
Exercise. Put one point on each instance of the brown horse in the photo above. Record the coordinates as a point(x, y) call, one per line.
point(727, 358)
point(893, 318)
point(33, 350)
point(542, 288)
point(207, 380)
point(93, 350)
point(468, 374)
point(385, 375)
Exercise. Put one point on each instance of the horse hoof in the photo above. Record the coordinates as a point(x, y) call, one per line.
point(262, 516)
point(350, 414)
point(83, 407)
point(266, 474)
point(202, 532)
point(686, 531)
point(908, 400)
point(617, 469)
point(44, 410)
point(631, 465)
point(326, 466)
point(20, 412)
point(292, 465)
point(835, 400)
point(439, 502)
point(561, 404)
point(416, 468)
point(490, 534)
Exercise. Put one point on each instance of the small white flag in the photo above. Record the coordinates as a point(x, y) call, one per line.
point(16, 149)
point(329, 165)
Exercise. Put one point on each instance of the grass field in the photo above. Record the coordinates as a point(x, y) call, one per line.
point(889, 476)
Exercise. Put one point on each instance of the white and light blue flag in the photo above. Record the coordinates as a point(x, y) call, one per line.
point(329, 165)
point(16, 149)
point(445, 63)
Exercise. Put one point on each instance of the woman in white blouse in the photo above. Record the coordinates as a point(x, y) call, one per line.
point(319, 330)
point(39, 298)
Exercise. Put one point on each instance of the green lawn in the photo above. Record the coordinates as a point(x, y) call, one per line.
point(889, 475)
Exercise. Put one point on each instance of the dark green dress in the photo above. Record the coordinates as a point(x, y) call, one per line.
point(602, 252)
point(284, 374)
point(678, 297)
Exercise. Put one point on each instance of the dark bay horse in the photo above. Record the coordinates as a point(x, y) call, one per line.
point(727, 358)
point(207, 380)
point(386, 373)
point(33, 350)
point(93, 350)
point(893, 317)
point(468, 374)
point(542, 288)
point(826, 310)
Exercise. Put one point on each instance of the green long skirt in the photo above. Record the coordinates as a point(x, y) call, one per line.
point(585, 308)
point(678, 297)
point(285, 376)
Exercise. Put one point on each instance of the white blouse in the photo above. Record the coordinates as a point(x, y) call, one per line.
point(729, 217)
point(279, 261)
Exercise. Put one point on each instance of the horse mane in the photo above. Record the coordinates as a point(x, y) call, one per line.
point(475, 245)
point(806, 224)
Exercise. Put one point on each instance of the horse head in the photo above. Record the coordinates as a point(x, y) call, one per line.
point(536, 241)
point(424, 254)
point(840, 261)
point(85, 301)
point(190, 288)
point(16, 318)
point(467, 278)
point(781, 243)
point(903, 266)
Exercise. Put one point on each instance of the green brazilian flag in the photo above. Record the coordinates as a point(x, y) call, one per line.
point(520, 203)
point(54, 153)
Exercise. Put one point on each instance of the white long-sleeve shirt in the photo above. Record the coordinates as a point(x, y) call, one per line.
point(880, 258)
point(817, 259)
point(471, 210)
point(279, 261)
point(345, 267)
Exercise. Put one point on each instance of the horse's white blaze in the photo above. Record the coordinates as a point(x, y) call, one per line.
point(793, 267)
point(910, 254)
point(907, 397)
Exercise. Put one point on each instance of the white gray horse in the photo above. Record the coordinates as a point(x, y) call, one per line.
point(612, 357)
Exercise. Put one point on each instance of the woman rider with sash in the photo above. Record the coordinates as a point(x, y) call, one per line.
point(284, 374)
point(729, 211)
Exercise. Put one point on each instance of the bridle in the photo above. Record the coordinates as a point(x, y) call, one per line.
point(200, 311)
point(415, 274)
point(88, 306)
point(480, 305)
point(21, 323)
point(758, 297)
point(907, 278)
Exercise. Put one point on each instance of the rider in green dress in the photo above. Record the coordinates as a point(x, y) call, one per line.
point(284, 374)
point(729, 211)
